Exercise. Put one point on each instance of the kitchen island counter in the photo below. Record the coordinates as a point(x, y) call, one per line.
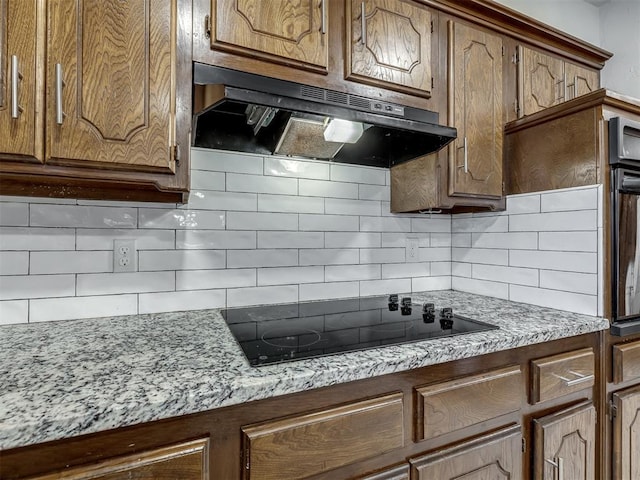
point(68, 378)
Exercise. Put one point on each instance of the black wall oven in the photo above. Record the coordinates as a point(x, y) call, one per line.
point(624, 159)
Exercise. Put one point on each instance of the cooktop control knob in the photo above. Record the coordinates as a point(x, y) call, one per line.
point(406, 301)
point(428, 313)
point(393, 303)
point(446, 312)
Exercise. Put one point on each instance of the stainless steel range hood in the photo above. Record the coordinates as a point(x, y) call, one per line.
point(250, 113)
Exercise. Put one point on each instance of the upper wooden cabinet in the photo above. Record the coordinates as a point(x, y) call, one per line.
point(115, 106)
point(390, 45)
point(545, 80)
point(475, 110)
point(281, 31)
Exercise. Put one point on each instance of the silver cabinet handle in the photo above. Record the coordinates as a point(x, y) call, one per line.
point(575, 87)
point(561, 89)
point(15, 79)
point(559, 466)
point(363, 24)
point(323, 14)
point(59, 86)
point(466, 157)
point(580, 378)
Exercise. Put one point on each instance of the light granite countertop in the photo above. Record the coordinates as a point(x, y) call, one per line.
point(67, 378)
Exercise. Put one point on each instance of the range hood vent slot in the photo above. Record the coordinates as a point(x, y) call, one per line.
point(244, 112)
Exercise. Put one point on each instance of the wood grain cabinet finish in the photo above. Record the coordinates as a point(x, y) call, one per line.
point(476, 111)
point(400, 472)
point(21, 131)
point(390, 45)
point(496, 456)
point(280, 31)
point(186, 461)
point(580, 80)
point(446, 407)
point(559, 375)
point(626, 435)
point(565, 444)
point(626, 362)
point(317, 442)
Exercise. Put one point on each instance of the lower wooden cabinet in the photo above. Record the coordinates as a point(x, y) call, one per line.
point(494, 456)
point(626, 435)
point(400, 472)
point(565, 444)
point(186, 461)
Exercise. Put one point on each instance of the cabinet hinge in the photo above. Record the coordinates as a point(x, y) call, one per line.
point(207, 26)
point(524, 445)
point(516, 108)
point(175, 154)
point(515, 58)
point(431, 26)
point(504, 188)
point(613, 410)
point(432, 83)
point(503, 50)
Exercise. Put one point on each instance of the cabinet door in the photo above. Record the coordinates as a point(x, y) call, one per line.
point(282, 31)
point(390, 45)
point(476, 110)
point(565, 444)
point(626, 435)
point(495, 456)
point(21, 131)
point(111, 84)
point(580, 80)
point(541, 81)
point(186, 461)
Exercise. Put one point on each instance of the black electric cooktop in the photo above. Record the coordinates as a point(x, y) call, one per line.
point(293, 331)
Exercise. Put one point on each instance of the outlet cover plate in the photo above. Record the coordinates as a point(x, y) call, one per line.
point(125, 256)
point(412, 249)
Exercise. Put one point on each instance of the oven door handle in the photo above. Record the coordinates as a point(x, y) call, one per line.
point(630, 184)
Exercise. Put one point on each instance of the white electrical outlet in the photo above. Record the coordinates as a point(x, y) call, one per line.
point(412, 250)
point(125, 256)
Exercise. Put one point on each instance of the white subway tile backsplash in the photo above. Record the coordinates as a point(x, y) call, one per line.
point(19, 199)
point(262, 258)
point(14, 311)
point(481, 287)
point(601, 271)
point(554, 221)
point(44, 215)
point(240, 297)
point(17, 287)
point(518, 204)
point(208, 279)
point(488, 256)
point(329, 256)
point(181, 219)
point(569, 241)
point(569, 200)
point(261, 221)
point(96, 239)
point(586, 283)
point(14, 263)
point(404, 270)
point(14, 214)
point(284, 167)
point(178, 301)
point(440, 240)
point(68, 308)
point(440, 269)
point(206, 159)
point(341, 206)
point(352, 240)
point(583, 262)
point(290, 275)
point(328, 223)
point(163, 260)
point(237, 182)
point(374, 192)
point(209, 200)
point(382, 255)
point(436, 223)
point(114, 283)
point(202, 180)
point(290, 239)
point(215, 239)
point(323, 291)
point(25, 238)
point(357, 174)
point(499, 223)
point(288, 203)
point(319, 188)
point(385, 224)
point(423, 284)
point(459, 269)
point(70, 262)
point(461, 239)
point(514, 275)
point(343, 273)
point(574, 302)
point(434, 254)
point(382, 287)
point(510, 240)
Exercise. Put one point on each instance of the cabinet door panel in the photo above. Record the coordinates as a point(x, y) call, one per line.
point(395, 51)
point(475, 109)
point(580, 80)
point(21, 130)
point(281, 31)
point(118, 67)
point(541, 81)
point(626, 435)
point(493, 457)
point(565, 444)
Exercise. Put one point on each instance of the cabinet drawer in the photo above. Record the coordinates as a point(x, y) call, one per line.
point(626, 362)
point(449, 406)
point(317, 442)
point(562, 374)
